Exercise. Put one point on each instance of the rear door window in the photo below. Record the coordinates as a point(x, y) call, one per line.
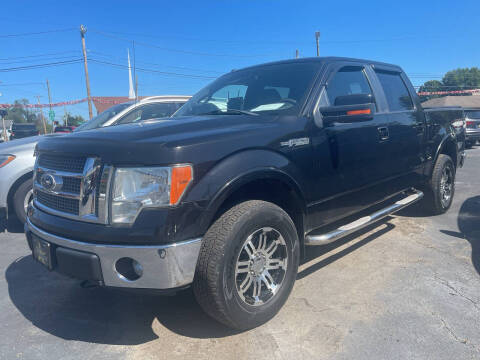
point(396, 92)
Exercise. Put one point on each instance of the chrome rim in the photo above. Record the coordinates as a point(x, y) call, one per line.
point(261, 266)
point(28, 199)
point(446, 186)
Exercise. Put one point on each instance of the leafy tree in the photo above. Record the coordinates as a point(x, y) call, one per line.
point(431, 85)
point(72, 120)
point(21, 114)
point(462, 78)
point(458, 79)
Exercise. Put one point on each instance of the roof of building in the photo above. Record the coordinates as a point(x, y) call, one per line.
point(467, 102)
point(102, 103)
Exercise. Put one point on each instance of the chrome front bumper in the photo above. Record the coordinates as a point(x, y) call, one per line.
point(164, 266)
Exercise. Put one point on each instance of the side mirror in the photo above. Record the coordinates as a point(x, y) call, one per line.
point(347, 113)
point(354, 99)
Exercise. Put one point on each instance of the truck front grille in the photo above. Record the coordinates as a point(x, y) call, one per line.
point(58, 203)
point(72, 187)
point(62, 163)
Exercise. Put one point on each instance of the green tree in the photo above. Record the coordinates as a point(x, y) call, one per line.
point(462, 78)
point(72, 120)
point(431, 86)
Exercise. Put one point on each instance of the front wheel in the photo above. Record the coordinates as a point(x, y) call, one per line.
point(22, 198)
point(440, 191)
point(247, 264)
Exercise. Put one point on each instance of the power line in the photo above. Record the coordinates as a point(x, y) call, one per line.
point(154, 70)
point(28, 67)
point(40, 55)
point(110, 56)
point(56, 58)
point(36, 33)
point(187, 52)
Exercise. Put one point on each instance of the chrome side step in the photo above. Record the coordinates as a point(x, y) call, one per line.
point(347, 229)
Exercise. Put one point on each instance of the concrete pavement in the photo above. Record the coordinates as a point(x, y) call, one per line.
point(408, 288)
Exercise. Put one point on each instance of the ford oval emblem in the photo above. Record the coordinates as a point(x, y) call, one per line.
point(48, 181)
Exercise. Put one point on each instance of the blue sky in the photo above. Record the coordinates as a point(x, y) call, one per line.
point(201, 39)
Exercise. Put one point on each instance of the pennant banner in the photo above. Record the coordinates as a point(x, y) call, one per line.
point(102, 100)
point(63, 103)
point(473, 91)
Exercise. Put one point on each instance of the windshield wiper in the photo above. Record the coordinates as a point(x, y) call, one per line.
point(230, 112)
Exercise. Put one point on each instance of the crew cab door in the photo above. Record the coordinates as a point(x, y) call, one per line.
point(406, 127)
point(351, 144)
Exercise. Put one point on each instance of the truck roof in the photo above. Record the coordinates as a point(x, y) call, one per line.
point(326, 59)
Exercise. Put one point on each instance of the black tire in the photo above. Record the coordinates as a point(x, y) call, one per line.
point(19, 198)
point(468, 145)
point(215, 283)
point(434, 201)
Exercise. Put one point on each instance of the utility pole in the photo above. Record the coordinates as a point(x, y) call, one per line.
point(49, 102)
point(65, 116)
point(41, 116)
point(296, 54)
point(317, 38)
point(83, 30)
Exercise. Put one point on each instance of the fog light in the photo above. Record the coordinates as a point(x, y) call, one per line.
point(128, 269)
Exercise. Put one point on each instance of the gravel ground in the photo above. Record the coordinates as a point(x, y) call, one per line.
point(407, 288)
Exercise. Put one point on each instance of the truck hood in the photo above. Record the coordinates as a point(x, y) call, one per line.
point(165, 141)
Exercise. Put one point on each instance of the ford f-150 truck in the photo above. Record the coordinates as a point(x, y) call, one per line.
point(228, 194)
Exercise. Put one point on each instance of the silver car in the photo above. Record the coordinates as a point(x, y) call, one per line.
point(17, 160)
point(472, 127)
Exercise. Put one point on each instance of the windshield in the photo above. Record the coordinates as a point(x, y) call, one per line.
point(103, 117)
point(473, 114)
point(270, 89)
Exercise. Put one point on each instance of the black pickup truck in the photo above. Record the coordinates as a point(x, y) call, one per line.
point(227, 194)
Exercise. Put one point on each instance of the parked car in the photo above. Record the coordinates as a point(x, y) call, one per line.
point(64, 129)
point(472, 127)
point(16, 178)
point(227, 198)
point(22, 130)
point(135, 111)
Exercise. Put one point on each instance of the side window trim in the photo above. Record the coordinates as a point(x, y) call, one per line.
point(336, 67)
point(120, 119)
point(401, 75)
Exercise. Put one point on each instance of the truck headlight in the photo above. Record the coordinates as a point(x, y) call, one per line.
point(140, 187)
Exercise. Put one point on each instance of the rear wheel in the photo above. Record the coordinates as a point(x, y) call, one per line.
point(22, 198)
point(440, 191)
point(247, 264)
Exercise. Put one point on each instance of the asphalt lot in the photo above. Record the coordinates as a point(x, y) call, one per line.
point(407, 288)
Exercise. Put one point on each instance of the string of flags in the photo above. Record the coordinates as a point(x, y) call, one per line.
point(471, 91)
point(63, 103)
point(119, 101)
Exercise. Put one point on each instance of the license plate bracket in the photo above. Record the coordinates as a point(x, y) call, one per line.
point(42, 252)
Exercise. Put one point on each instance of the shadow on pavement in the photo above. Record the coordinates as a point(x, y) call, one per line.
point(59, 306)
point(469, 226)
point(313, 252)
